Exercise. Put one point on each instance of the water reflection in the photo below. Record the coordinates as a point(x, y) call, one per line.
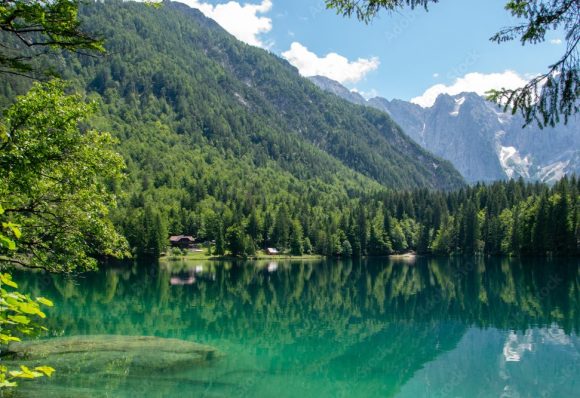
point(327, 328)
point(515, 346)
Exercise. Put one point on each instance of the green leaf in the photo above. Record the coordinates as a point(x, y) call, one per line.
point(45, 301)
point(25, 373)
point(32, 309)
point(19, 319)
point(13, 227)
point(47, 370)
point(6, 279)
point(6, 242)
point(6, 383)
point(5, 339)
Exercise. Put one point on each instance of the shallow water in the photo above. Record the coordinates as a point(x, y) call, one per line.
point(376, 328)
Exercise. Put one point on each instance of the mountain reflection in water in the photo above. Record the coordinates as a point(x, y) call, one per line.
point(379, 327)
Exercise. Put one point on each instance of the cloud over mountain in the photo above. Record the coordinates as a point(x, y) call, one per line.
point(246, 22)
point(332, 65)
point(475, 82)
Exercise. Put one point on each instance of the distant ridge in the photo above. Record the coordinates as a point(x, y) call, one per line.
point(481, 141)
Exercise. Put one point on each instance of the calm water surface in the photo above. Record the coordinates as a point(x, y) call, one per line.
point(376, 328)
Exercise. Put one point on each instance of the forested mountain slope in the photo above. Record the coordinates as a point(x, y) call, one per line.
point(175, 64)
point(215, 132)
point(227, 142)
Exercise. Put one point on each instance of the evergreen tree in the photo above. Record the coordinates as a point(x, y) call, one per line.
point(281, 231)
point(377, 245)
point(469, 229)
point(424, 240)
point(254, 228)
point(346, 249)
point(296, 238)
point(362, 230)
point(397, 236)
point(541, 236)
point(220, 243)
point(562, 229)
point(307, 246)
point(236, 241)
point(267, 229)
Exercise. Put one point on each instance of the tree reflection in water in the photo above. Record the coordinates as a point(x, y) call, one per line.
point(331, 327)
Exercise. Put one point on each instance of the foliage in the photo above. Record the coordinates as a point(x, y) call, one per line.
point(55, 181)
point(18, 314)
point(556, 93)
point(209, 91)
point(223, 135)
point(38, 25)
point(222, 142)
point(367, 10)
point(545, 98)
point(54, 177)
point(238, 243)
point(210, 129)
point(296, 239)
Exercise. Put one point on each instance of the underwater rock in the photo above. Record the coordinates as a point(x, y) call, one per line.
point(112, 355)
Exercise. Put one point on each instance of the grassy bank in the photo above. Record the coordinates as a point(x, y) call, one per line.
point(191, 255)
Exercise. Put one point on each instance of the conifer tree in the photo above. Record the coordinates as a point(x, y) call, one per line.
point(296, 238)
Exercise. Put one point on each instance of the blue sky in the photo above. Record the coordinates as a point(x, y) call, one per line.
point(411, 55)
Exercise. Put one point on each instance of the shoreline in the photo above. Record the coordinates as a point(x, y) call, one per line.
point(205, 257)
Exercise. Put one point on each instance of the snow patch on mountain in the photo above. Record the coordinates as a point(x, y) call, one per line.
point(512, 163)
point(553, 172)
point(502, 117)
point(458, 103)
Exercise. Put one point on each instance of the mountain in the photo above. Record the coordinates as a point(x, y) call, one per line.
point(228, 143)
point(224, 140)
point(481, 141)
point(183, 68)
point(336, 88)
point(244, 100)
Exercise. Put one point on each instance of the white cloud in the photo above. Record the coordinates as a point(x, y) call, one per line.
point(556, 41)
point(332, 65)
point(242, 21)
point(435, 75)
point(475, 82)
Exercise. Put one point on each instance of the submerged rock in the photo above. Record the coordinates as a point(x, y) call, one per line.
point(112, 355)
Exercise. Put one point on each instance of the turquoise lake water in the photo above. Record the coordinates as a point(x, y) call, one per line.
point(372, 328)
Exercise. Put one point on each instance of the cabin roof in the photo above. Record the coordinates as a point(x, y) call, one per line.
point(179, 238)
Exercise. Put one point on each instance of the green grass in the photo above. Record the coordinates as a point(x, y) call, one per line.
point(260, 255)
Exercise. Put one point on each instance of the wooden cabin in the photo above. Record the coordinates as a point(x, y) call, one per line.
point(182, 241)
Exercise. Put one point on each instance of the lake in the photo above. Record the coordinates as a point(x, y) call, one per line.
point(369, 328)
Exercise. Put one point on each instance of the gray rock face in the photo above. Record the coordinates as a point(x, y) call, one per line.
point(336, 88)
point(457, 128)
point(481, 141)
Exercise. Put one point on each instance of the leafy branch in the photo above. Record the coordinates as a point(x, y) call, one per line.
point(552, 95)
point(545, 99)
point(40, 24)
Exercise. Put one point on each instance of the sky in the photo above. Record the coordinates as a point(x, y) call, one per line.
point(410, 54)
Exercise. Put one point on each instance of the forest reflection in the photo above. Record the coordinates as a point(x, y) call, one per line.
point(375, 327)
point(289, 299)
